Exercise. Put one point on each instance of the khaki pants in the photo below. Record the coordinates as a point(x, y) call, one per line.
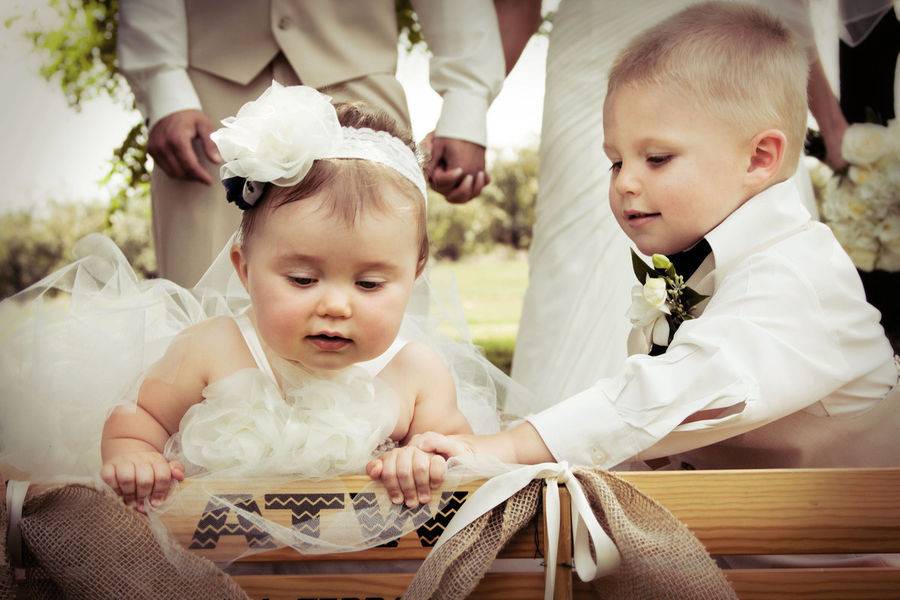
point(192, 221)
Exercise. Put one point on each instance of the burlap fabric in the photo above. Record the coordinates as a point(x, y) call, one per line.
point(453, 570)
point(84, 543)
point(7, 583)
point(661, 558)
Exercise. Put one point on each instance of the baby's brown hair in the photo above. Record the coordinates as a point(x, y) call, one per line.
point(350, 186)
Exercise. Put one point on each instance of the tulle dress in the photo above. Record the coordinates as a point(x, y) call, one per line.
point(77, 344)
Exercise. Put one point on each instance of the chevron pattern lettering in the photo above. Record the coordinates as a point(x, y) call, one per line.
point(214, 523)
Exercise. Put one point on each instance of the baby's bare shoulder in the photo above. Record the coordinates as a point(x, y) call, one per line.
point(221, 328)
point(419, 361)
point(209, 343)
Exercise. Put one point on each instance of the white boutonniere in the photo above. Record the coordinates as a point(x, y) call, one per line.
point(663, 302)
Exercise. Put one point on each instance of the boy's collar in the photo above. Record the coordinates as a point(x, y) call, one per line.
point(768, 216)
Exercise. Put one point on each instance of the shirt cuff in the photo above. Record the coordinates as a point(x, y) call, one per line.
point(586, 429)
point(463, 117)
point(166, 92)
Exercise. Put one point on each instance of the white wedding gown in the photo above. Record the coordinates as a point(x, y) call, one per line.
point(573, 327)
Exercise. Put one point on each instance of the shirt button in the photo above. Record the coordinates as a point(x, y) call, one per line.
point(284, 23)
point(598, 456)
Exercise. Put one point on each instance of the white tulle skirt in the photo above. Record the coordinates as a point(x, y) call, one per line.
point(77, 344)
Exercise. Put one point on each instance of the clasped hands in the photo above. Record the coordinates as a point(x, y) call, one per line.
point(410, 473)
point(456, 168)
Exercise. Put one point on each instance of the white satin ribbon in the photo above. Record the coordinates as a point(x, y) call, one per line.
point(15, 499)
point(585, 527)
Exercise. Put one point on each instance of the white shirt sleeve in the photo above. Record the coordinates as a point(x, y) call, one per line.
point(762, 349)
point(152, 49)
point(467, 67)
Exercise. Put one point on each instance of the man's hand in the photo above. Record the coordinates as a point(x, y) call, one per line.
point(456, 168)
point(171, 145)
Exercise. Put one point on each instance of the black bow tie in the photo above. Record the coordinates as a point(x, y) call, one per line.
point(687, 262)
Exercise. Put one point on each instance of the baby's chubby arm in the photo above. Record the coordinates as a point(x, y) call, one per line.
point(408, 473)
point(135, 437)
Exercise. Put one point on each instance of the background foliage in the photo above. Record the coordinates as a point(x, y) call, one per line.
point(34, 244)
point(502, 216)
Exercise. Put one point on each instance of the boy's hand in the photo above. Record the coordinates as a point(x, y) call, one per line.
point(137, 476)
point(447, 446)
point(408, 474)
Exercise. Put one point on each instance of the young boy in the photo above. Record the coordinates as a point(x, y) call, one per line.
point(786, 365)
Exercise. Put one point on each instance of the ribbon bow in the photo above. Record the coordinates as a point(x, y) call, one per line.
point(585, 526)
point(15, 500)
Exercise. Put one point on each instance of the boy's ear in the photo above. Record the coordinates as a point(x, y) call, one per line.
point(766, 156)
point(239, 260)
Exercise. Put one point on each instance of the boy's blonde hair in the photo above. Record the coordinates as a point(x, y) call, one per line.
point(741, 63)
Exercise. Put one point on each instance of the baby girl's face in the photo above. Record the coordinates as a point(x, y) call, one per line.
point(677, 171)
point(327, 294)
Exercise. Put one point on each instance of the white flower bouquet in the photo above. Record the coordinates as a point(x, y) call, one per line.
point(862, 205)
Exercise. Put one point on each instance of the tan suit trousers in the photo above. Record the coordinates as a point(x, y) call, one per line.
point(192, 221)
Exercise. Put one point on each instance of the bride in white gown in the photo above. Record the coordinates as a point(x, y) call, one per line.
point(573, 326)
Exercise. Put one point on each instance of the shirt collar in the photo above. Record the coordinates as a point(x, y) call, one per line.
point(774, 213)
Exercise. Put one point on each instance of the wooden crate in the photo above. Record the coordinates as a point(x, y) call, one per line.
point(814, 511)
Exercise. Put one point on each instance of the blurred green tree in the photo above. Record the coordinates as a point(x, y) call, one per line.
point(502, 216)
point(512, 195)
point(35, 244)
point(79, 54)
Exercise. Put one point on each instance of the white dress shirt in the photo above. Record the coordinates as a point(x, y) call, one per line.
point(467, 64)
point(787, 329)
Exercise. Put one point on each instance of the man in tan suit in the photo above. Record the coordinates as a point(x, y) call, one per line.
point(191, 63)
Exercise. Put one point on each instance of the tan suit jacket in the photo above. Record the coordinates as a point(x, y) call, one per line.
point(236, 39)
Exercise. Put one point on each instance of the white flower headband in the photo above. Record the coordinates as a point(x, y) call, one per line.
point(277, 137)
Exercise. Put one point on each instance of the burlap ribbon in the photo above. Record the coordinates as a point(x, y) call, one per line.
point(84, 543)
point(658, 555)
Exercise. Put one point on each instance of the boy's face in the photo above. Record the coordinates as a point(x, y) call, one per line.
point(677, 171)
point(327, 294)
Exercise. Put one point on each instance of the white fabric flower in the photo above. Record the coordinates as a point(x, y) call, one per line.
point(648, 302)
point(276, 137)
point(864, 143)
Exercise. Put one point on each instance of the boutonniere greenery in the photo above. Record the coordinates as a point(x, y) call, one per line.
point(662, 302)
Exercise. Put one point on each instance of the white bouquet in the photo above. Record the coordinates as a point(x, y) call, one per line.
point(862, 205)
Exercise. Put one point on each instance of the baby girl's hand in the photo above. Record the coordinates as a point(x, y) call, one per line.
point(409, 474)
point(137, 476)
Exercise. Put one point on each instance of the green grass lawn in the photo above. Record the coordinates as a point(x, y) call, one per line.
point(491, 289)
